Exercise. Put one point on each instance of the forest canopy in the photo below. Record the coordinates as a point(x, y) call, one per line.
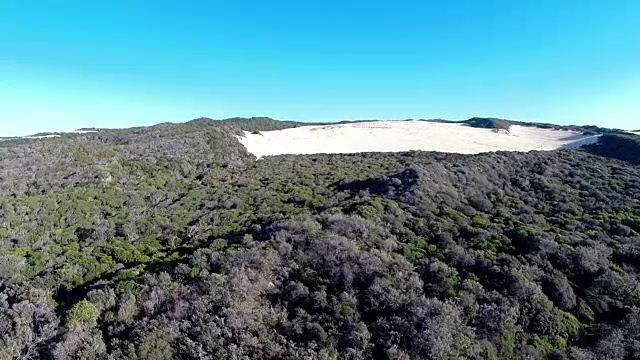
point(173, 242)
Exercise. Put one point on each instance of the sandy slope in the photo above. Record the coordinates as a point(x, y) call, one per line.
point(390, 136)
point(42, 136)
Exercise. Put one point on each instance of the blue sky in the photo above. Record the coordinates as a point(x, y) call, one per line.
point(69, 64)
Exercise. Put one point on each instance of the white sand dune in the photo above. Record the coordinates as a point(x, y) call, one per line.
point(394, 136)
point(42, 136)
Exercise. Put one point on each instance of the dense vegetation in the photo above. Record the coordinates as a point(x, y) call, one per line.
point(620, 146)
point(489, 123)
point(172, 242)
point(585, 129)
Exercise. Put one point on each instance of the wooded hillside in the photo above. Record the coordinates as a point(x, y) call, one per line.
point(172, 242)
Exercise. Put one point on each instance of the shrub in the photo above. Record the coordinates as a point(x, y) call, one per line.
point(481, 204)
point(82, 314)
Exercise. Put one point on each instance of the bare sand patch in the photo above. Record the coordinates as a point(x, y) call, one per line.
point(396, 136)
point(42, 136)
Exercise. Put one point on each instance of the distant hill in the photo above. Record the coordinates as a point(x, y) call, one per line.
point(585, 129)
point(12, 141)
point(495, 123)
point(489, 123)
point(624, 147)
point(479, 122)
point(250, 124)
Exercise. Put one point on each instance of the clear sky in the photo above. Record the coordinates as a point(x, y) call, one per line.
point(66, 64)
